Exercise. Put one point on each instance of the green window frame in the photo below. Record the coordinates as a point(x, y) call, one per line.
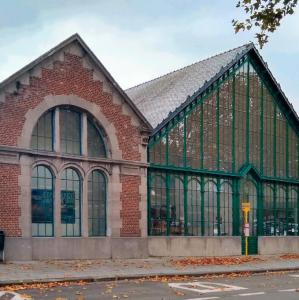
point(42, 198)
point(97, 201)
point(237, 131)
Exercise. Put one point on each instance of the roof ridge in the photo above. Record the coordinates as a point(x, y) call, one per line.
point(185, 67)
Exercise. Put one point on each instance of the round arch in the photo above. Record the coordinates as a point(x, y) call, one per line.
point(52, 101)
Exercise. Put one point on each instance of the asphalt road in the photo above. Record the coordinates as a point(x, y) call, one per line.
point(278, 286)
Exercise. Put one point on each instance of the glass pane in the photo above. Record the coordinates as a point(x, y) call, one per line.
point(42, 136)
point(158, 209)
point(210, 208)
point(42, 201)
point(97, 203)
point(96, 145)
point(70, 203)
point(70, 131)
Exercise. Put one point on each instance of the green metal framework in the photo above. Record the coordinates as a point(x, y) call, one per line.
point(236, 142)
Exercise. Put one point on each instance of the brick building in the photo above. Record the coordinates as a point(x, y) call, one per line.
point(90, 171)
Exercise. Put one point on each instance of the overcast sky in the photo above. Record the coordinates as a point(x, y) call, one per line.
point(138, 40)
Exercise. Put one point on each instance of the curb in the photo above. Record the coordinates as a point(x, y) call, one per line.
point(147, 276)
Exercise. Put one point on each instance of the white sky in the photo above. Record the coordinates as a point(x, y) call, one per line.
point(138, 40)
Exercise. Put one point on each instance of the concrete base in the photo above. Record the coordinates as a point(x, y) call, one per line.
point(20, 249)
point(278, 244)
point(194, 246)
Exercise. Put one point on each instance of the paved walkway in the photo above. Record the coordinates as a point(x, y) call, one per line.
point(45, 271)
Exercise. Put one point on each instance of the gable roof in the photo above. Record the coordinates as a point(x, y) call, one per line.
point(160, 96)
point(161, 99)
point(77, 39)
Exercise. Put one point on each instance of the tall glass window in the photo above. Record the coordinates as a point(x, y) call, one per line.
point(70, 131)
point(96, 145)
point(225, 208)
point(210, 208)
point(42, 136)
point(70, 203)
point(97, 204)
point(42, 202)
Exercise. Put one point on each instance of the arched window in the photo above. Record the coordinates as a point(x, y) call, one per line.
point(210, 208)
point(176, 213)
point(79, 133)
point(42, 136)
point(194, 206)
point(42, 201)
point(70, 203)
point(249, 193)
point(97, 204)
point(95, 142)
point(225, 208)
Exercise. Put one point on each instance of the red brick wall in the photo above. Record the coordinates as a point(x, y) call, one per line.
point(9, 200)
point(130, 199)
point(66, 78)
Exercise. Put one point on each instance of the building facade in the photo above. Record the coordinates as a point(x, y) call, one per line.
point(71, 184)
point(90, 171)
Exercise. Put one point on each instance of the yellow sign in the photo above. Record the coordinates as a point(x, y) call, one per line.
point(246, 206)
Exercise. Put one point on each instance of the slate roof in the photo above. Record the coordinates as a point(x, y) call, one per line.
point(157, 98)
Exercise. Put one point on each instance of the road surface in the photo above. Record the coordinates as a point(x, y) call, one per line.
point(273, 286)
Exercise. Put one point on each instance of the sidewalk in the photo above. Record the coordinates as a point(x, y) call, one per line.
point(96, 270)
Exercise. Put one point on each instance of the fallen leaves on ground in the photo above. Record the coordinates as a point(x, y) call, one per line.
point(205, 261)
point(290, 256)
point(42, 286)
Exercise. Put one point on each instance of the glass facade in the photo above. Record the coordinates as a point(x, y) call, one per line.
point(235, 143)
point(97, 204)
point(42, 201)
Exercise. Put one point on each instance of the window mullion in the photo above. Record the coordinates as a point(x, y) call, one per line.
point(57, 130)
point(84, 150)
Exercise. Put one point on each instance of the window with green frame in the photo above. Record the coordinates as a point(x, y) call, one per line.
point(42, 201)
point(42, 136)
point(199, 161)
point(97, 203)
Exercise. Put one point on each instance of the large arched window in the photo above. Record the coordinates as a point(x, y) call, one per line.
point(77, 133)
point(70, 203)
point(42, 201)
point(97, 204)
point(42, 136)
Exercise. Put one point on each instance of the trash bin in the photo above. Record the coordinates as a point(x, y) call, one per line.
point(2, 240)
